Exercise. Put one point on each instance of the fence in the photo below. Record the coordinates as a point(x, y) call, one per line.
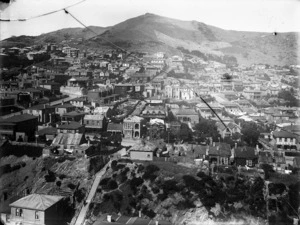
point(28, 144)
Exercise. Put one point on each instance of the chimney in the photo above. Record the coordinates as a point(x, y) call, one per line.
point(156, 222)
point(214, 144)
point(109, 218)
point(44, 106)
point(235, 145)
point(218, 147)
point(140, 213)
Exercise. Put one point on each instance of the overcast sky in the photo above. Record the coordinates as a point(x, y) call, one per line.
point(246, 15)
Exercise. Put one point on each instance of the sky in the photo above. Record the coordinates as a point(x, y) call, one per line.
point(243, 15)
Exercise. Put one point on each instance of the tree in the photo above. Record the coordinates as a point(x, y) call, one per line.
point(289, 98)
point(250, 133)
point(207, 128)
point(185, 133)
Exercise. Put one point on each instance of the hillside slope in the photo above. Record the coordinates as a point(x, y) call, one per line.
point(152, 33)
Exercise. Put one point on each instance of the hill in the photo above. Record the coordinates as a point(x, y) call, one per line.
point(152, 33)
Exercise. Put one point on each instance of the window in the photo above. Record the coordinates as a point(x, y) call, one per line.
point(148, 155)
point(249, 162)
point(19, 212)
point(285, 140)
point(37, 215)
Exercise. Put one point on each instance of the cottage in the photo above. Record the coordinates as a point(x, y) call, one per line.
point(19, 127)
point(38, 209)
point(142, 151)
point(245, 156)
point(95, 122)
point(45, 113)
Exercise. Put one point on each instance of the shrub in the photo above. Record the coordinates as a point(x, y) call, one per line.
point(170, 186)
point(136, 181)
point(58, 183)
point(25, 178)
point(112, 184)
point(106, 197)
point(97, 163)
point(192, 183)
point(155, 190)
point(50, 177)
point(79, 195)
point(114, 164)
point(140, 168)
point(62, 176)
point(71, 186)
point(149, 212)
point(201, 174)
point(104, 181)
point(120, 166)
point(162, 196)
point(186, 204)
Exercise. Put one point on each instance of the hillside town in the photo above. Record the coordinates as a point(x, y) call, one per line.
point(210, 118)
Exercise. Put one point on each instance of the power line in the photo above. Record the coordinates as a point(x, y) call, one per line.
point(41, 15)
point(163, 71)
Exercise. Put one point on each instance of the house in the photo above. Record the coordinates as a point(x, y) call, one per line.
point(245, 156)
point(64, 108)
point(68, 141)
point(219, 153)
point(79, 102)
point(152, 112)
point(45, 113)
point(74, 116)
point(115, 128)
point(38, 209)
point(229, 130)
point(142, 151)
point(71, 127)
point(187, 115)
point(94, 122)
point(19, 127)
point(285, 140)
point(132, 127)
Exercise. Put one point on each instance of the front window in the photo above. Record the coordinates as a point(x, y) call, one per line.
point(37, 215)
point(19, 212)
point(249, 162)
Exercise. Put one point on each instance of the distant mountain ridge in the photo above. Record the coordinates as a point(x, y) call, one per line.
point(150, 32)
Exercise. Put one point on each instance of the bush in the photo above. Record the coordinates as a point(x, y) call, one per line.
point(79, 195)
point(170, 186)
point(50, 177)
point(149, 212)
point(71, 186)
point(106, 197)
point(104, 181)
point(192, 183)
point(186, 204)
point(155, 190)
point(62, 176)
point(97, 163)
point(162, 196)
point(58, 183)
point(136, 181)
point(112, 184)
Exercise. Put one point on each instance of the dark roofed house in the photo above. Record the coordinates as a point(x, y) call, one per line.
point(245, 156)
point(285, 140)
point(73, 116)
point(45, 113)
point(71, 127)
point(115, 128)
point(64, 108)
point(219, 153)
point(38, 209)
point(187, 115)
point(19, 127)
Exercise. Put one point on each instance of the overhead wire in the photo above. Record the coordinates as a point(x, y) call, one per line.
point(163, 71)
point(41, 15)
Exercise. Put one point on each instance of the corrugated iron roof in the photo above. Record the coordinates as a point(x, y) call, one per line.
point(36, 201)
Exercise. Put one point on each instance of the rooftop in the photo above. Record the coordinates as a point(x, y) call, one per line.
point(70, 126)
point(36, 201)
point(18, 118)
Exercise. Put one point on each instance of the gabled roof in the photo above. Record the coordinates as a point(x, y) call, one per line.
point(74, 113)
point(36, 201)
point(94, 117)
point(47, 130)
point(283, 134)
point(41, 106)
point(67, 139)
point(70, 126)
point(114, 126)
point(65, 106)
point(186, 112)
point(245, 152)
point(18, 118)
